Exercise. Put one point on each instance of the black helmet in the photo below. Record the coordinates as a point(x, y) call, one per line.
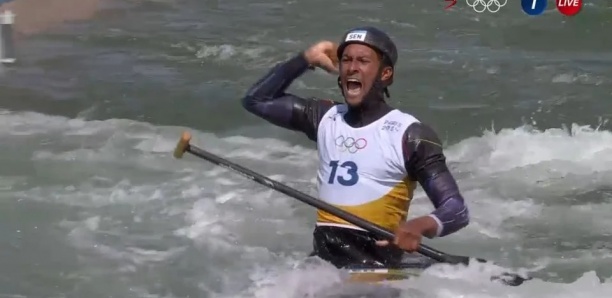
point(373, 38)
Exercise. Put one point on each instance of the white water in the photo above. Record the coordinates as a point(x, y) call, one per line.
point(139, 223)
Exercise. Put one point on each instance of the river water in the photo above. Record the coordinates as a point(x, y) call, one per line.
point(92, 204)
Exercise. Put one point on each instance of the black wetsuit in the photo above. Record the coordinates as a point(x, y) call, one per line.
point(422, 152)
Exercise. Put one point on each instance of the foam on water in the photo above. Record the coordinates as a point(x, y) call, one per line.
point(143, 224)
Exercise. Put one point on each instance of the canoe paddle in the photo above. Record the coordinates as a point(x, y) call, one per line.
point(184, 145)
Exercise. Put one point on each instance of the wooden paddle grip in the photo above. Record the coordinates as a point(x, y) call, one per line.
point(182, 145)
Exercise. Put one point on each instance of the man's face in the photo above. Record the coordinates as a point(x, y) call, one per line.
point(359, 66)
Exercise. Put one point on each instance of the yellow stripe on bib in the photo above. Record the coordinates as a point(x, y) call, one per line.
point(387, 211)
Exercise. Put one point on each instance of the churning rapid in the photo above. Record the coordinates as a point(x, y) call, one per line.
point(94, 205)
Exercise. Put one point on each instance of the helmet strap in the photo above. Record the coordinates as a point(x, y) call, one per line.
point(340, 86)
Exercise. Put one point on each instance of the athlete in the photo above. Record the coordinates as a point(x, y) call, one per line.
point(370, 154)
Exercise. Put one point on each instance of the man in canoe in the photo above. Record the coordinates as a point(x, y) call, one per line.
point(370, 154)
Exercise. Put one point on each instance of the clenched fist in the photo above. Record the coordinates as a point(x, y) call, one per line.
point(408, 234)
point(323, 55)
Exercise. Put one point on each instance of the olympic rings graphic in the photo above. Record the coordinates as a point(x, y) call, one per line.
point(350, 144)
point(480, 6)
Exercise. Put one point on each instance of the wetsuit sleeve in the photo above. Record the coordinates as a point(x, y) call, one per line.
point(426, 163)
point(267, 99)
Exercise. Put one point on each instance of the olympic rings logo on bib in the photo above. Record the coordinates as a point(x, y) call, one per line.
point(350, 144)
point(480, 6)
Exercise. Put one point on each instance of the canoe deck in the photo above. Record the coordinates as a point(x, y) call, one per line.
point(408, 268)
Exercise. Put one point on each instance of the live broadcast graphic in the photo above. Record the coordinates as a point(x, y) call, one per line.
point(530, 7)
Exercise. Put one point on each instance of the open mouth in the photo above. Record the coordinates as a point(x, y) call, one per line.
point(353, 87)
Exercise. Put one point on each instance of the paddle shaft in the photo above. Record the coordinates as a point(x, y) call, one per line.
point(263, 180)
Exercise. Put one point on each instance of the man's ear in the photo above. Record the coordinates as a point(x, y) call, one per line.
point(387, 73)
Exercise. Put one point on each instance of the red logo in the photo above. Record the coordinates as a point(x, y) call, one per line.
point(569, 7)
point(451, 4)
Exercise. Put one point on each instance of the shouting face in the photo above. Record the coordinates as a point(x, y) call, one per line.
point(359, 67)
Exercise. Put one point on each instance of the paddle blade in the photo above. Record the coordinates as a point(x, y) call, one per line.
point(182, 145)
point(510, 279)
point(507, 278)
